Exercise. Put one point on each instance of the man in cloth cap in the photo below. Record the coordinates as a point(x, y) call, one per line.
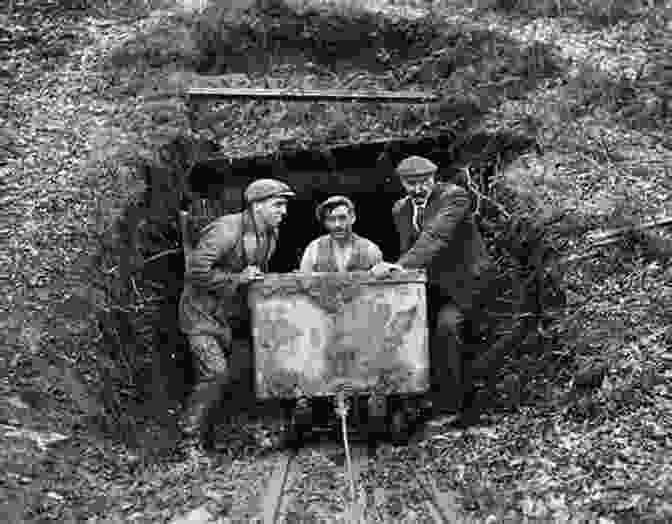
point(437, 233)
point(231, 251)
point(341, 250)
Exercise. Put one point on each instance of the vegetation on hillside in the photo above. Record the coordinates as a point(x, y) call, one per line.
point(581, 430)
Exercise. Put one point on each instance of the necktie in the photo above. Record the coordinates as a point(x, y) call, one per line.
point(419, 217)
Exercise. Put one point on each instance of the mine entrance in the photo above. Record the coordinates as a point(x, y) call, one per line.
point(368, 179)
point(365, 173)
point(362, 172)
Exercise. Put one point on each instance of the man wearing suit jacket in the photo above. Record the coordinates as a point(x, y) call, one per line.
point(437, 233)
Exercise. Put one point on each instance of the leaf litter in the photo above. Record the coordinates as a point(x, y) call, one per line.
point(595, 455)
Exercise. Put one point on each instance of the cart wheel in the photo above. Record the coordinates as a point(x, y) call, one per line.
point(416, 416)
point(292, 437)
point(410, 408)
point(398, 427)
point(299, 424)
point(376, 421)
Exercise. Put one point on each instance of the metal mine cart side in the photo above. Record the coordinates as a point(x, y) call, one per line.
point(321, 335)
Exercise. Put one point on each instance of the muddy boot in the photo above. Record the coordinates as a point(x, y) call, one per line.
point(198, 419)
point(192, 446)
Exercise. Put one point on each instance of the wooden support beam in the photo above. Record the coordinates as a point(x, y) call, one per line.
point(604, 236)
point(610, 237)
point(310, 95)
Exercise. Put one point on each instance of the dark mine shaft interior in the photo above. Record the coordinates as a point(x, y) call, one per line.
point(364, 172)
point(367, 183)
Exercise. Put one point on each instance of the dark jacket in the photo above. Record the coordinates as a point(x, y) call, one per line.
point(212, 295)
point(449, 247)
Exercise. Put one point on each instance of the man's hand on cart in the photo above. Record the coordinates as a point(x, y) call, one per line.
point(250, 273)
point(382, 269)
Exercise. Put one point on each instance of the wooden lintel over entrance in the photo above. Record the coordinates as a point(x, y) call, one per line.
point(310, 95)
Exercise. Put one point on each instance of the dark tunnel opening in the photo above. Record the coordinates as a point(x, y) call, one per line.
point(361, 177)
point(374, 221)
point(364, 173)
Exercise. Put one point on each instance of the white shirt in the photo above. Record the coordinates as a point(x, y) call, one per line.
point(341, 254)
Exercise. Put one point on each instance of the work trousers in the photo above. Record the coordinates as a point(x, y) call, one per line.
point(224, 379)
point(449, 356)
point(211, 355)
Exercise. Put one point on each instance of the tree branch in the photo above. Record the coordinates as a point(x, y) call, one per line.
point(610, 237)
point(162, 254)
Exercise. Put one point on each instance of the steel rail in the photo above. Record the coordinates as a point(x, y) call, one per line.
point(442, 506)
point(363, 505)
point(275, 499)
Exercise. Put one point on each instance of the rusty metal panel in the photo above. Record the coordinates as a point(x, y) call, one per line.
point(315, 333)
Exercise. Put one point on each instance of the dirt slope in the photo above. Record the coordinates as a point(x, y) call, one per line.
point(602, 453)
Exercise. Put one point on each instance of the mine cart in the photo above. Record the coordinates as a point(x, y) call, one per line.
point(317, 339)
point(320, 335)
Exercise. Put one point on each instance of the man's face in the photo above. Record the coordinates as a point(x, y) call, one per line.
point(339, 222)
point(272, 210)
point(418, 187)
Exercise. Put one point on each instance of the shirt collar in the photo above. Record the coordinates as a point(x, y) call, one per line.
point(353, 238)
point(422, 204)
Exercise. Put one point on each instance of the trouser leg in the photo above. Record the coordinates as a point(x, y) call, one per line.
point(210, 353)
point(446, 356)
point(458, 357)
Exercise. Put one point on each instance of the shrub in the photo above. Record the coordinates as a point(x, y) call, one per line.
point(595, 12)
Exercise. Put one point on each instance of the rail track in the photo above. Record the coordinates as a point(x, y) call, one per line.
point(376, 498)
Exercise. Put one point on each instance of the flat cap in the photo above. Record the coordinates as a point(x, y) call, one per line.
point(266, 188)
point(416, 166)
point(330, 203)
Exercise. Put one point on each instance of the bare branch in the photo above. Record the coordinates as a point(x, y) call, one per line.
point(480, 196)
point(153, 258)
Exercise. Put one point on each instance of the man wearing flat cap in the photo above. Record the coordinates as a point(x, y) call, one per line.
point(231, 251)
point(341, 250)
point(437, 233)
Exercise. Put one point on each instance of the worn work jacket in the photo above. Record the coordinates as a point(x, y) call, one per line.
point(320, 255)
point(448, 246)
point(212, 295)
